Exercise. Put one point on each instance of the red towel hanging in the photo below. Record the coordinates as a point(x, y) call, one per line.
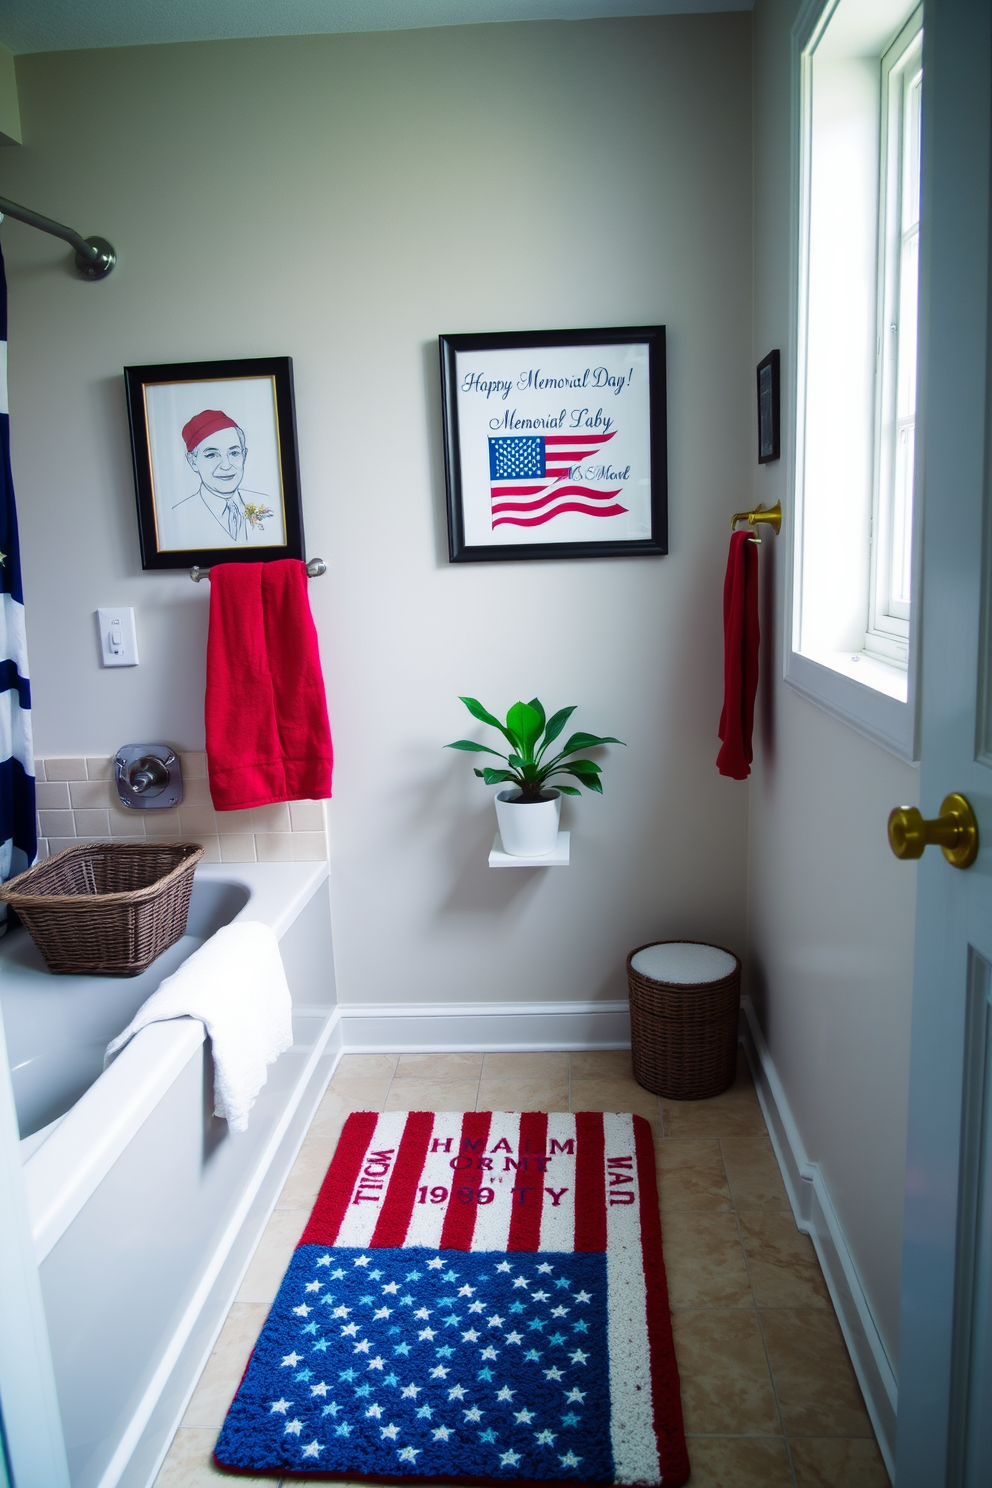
point(740, 657)
point(268, 738)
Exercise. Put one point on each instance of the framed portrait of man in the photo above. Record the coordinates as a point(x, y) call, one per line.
point(216, 465)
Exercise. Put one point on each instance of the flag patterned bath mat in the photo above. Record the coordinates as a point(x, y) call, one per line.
point(476, 1298)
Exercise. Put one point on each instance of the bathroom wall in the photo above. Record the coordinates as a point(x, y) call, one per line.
point(831, 911)
point(344, 199)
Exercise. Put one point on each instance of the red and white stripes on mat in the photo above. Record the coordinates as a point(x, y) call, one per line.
point(482, 1180)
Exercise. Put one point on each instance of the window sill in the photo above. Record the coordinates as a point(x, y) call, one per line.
point(867, 694)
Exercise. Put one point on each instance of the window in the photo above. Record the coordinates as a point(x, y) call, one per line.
point(859, 64)
point(899, 262)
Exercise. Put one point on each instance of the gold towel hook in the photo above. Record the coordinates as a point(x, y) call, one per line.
point(770, 514)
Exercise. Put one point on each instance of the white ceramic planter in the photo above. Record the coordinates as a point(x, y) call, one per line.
point(528, 829)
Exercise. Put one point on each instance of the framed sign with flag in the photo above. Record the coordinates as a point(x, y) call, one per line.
point(216, 468)
point(555, 444)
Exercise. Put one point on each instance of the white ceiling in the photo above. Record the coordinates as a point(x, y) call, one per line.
point(71, 25)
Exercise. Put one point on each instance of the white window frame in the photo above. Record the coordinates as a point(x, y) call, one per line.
point(834, 499)
point(887, 635)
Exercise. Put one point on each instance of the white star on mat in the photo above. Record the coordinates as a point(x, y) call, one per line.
point(457, 1392)
point(509, 1459)
point(377, 1362)
point(495, 1321)
point(474, 1414)
point(337, 1275)
point(578, 1357)
point(524, 1417)
point(583, 1297)
point(544, 1437)
point(554, 1374)
point(578, 1395)
point(392, 1287)
point(349, 1329)
point(504, 1266)
point(291, 1360)
point(375, 1411)
point(282, 1406)
point(521, 1281)
point(409, 1454)
point(545, 1267)
point(441, 1433)
point(362, 1261)
point(325, 1260)
point(411, 1390)
point(479, 1306)
point(569, 1460)
point(435, 1265)
point(303, 1310)
point(313, 1450)
point(382, 1312)
point(314, 1286)
point(392, 1431)
point(427, 1333)
point(343, 1430)
point(440, 1371)
point(292, 1428)
point(489, 1353)
point(506, 1393)
point(466, 1290)
point(341, 1312)
point(363, 1346)
point(320, 1389)
point(426, 1411)
point(470, 1337)
point(514, 1337)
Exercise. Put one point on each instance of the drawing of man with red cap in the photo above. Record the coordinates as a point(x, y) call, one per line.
point(216, 451)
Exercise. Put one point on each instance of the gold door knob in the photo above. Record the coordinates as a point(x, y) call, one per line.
point(954, 831)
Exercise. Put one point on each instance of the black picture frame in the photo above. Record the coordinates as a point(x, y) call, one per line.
point(550, 411)
point(195, 506)
point(769, 408)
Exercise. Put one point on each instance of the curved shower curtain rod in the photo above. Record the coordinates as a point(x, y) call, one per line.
point(94, 256)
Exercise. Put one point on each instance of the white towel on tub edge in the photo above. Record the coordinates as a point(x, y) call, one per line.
point(236, 985)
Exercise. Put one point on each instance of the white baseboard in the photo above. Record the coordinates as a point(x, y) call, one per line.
point(816, 1216)
point(487, 1027)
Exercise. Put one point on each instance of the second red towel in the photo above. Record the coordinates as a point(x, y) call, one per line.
point(740, 657)
point(268, 738)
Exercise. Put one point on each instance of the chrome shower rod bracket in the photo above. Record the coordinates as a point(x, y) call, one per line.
point(95, 257)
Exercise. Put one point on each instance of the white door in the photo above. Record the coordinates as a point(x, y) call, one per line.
point(945, 1349)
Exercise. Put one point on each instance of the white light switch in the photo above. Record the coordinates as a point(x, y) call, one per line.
point(118, 642)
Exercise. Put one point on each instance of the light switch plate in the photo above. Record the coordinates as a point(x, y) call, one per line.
point(118, 641)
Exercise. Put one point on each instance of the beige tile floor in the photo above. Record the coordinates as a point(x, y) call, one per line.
point(767, 1388)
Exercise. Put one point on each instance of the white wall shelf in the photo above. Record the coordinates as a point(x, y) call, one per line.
point(556, 859)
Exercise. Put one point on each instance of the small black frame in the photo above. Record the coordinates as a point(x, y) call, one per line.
point(509, 401)
point(216, 500)
point(769, 408)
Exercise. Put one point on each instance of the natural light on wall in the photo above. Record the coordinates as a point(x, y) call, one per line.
point(859, 67)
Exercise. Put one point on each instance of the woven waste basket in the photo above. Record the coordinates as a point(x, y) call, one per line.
point(106, 909)
point(684, 1006)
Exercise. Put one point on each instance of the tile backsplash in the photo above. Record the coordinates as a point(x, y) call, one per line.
point(77, 802)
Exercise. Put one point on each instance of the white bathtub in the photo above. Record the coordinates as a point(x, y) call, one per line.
point(144, 1208)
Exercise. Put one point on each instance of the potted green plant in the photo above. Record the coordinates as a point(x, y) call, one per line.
point(528, 812)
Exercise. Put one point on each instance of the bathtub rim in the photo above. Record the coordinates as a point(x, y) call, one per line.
point(62, 1173)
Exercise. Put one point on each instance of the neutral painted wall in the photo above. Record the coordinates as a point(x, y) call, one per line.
point(831, 911)
point(345, 199)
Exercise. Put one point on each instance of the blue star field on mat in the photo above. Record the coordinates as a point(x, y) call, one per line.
point(455, 1364)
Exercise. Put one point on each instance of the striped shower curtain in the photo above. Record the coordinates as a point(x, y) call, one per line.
point(18, 836)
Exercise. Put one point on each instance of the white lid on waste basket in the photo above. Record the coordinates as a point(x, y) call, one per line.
point(684, 962)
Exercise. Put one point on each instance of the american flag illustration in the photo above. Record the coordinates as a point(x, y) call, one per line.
point(546, 459)
point(476, 1296)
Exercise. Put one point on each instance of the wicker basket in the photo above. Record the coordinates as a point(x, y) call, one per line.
point(684, 1034)
point(106, 909)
